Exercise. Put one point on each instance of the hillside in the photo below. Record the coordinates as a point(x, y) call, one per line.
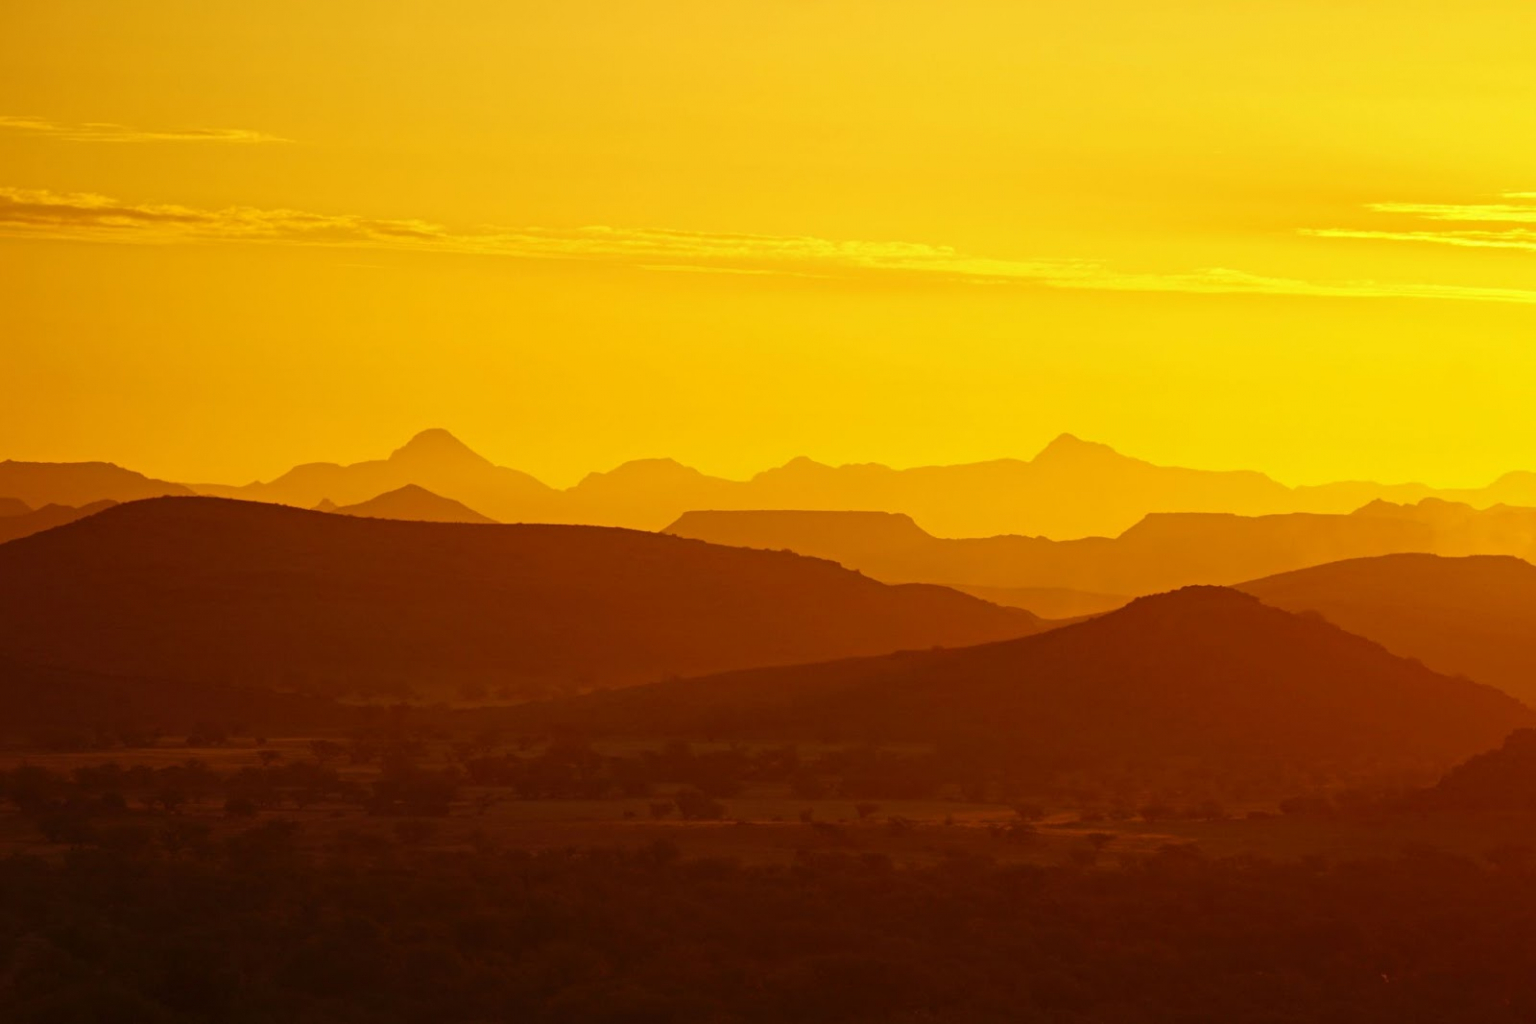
point(206, 589)
point(434, 460)
point(78, 483)
point(46, 518)
point(1050, 602)
point(1070, 489)
point(1204, 673)
point(1161, 552)
point(413, 503)
point(1497, 780)
point(1473, 616)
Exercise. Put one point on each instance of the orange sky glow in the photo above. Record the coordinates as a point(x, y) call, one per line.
point(1291, 236)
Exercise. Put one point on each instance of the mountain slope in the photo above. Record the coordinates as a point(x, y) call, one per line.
point(433, 459)
point(46, 518)
point(416, 504)
point(1205, 673)
point(78, 483)
point(1071, 488)
point(206, 589)
point(1501, 780)
point(1473, 616)
point(1161, 552)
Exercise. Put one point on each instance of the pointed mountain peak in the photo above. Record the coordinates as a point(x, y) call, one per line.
point(416, 503)
point(1070, 446)
point(802, 464)
point(436, 445)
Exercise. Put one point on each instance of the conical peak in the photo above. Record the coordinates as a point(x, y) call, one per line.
point(1070, 446)
point(436, 445)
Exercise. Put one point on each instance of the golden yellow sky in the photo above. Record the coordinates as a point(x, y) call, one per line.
point(1296, 236)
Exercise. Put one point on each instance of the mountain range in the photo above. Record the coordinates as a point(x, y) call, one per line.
point(1161, 552)
point(209, 590)
point(1070, 489)
point(79, 483)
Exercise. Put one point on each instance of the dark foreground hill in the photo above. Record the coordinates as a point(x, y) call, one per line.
point(219, 591)
point(1473, 616)
point(1203, 673)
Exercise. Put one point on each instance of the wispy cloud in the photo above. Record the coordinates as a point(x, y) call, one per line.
point(83, 216)
point(1518, 209)
point(101, 131)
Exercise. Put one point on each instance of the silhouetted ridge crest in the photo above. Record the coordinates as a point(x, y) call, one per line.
point(414, 503)
point(210, 589)
point(1498, 780)
point(1070, 447)
point(1472, 616)
point(437, 445)
point(1203, 672)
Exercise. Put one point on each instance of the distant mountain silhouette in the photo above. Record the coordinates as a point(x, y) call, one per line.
point(1457, 528)
point(1203, 673)
point(433, 459)
point(647, 494)
point(13, 507)
point(78, 483)
point(414, 503)
point(46, 518)
point(1473, 616)
point(206, 589)
point(1162, 552)
point(1071, 489)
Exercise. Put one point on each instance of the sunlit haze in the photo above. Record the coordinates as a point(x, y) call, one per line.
point(1294, 237)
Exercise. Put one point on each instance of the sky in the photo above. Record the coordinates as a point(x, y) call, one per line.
point(1293, 236)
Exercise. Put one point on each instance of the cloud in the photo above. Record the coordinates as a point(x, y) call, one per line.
point(88, 217)
point(100, 131)
point(1521, 211)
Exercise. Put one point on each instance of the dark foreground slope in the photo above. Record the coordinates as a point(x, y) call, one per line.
point(261, 925)
point(46, 518)
point(1204, 673)
point(207, 589)
point(1473, 616)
